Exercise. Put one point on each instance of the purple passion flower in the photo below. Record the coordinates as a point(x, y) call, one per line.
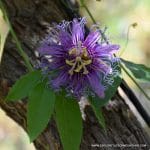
point(76, 62)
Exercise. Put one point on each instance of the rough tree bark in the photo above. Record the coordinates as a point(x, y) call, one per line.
point(30, 20)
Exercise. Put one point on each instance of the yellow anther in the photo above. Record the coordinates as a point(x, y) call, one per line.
point(85, 54)
point(72, 51)
point(78, 58)
point(85, 70)
point(72, 69)
point(80, 62)
point(70, 72)
point(79, 67)
point(70, 62)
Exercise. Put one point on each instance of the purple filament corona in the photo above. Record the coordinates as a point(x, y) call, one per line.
point(80, 64)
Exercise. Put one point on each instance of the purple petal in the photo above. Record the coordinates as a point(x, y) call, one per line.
point(60, 80)
point(77, 84)
point(96, 85)
point(91, 39)
point(102, 66)
point(65, 39)
point(57, 63)
point(53, 50)
point(77, 32)
point(106, 49)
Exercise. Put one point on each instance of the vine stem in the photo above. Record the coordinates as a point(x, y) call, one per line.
point(87, 10)
point(127, 41)
point(125, 70)
point(18, 44)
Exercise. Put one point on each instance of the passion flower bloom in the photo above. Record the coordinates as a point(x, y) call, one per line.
point(76, 62)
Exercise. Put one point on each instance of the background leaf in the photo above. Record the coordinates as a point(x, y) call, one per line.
point(40, 108)
point(98, 112)
point(69, 122)
point(4, 30)
point(139, 71)
point(23, 86)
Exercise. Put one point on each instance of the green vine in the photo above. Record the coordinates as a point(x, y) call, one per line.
point(18, 44)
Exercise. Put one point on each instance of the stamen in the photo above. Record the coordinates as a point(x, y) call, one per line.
point(70, 72)
point(78, 58)
point(85, 54)
point(72, 51)
point(78, 69)
point(79, 64)
point(81, 60)
point(70, 62)
point(85, 70)
point(72, 69)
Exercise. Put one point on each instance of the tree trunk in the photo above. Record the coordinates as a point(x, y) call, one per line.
point(30, 19)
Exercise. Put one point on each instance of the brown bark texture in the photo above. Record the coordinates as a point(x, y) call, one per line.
point(30, 20)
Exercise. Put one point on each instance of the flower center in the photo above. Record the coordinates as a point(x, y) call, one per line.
point(80, 61)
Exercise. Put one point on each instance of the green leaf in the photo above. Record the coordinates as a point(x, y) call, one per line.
point(69, 122)
point(139, 71)
point(4, 30)
point(98, 112)
point(23, 86)
point(40, 108)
